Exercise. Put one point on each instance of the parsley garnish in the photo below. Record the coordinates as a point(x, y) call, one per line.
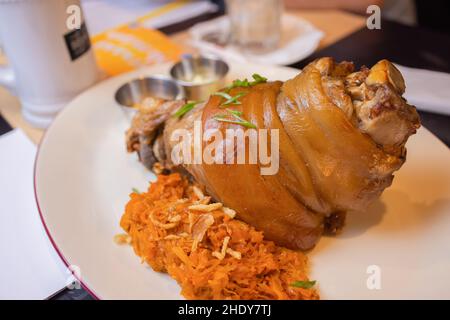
point(258, 79)
point(237, 116)
point(135, 190)
point(186, 108)
point(245, 83)
point(238, 83)
point(303, 284)
point(229, 99)
point(223, 95)
point(235, 112)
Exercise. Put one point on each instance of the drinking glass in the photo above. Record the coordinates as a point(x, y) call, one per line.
point(255, 25)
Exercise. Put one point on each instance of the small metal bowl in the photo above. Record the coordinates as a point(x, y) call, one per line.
point(134, 92)
point(200, 76)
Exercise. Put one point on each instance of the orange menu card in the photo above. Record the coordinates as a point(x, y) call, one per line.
point(129, 47)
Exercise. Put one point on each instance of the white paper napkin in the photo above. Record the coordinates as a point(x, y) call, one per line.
point(299, 40)
point(29, 266)
point(427, 90)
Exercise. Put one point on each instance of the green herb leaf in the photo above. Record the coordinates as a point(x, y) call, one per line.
point(229, 99)
point(239, 121)
point(220, 117)
point(135, 190)
point(245, 83)
point(258, 79)
point(303, 284)
point(234, 100)
point(185, 109)
point(235, 112)
point(238, 83)
point(223, 95)
point(241, 83)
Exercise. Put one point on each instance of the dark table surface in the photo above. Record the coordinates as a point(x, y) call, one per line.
point(409, 46)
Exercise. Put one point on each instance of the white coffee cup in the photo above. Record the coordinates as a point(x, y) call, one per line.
point(49, 54)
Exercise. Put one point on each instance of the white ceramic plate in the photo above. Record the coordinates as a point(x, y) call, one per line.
point(83, 176)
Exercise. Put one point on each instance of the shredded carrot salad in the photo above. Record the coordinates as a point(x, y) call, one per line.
point(175, 229)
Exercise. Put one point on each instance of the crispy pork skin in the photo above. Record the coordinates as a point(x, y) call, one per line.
point(342, 134)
